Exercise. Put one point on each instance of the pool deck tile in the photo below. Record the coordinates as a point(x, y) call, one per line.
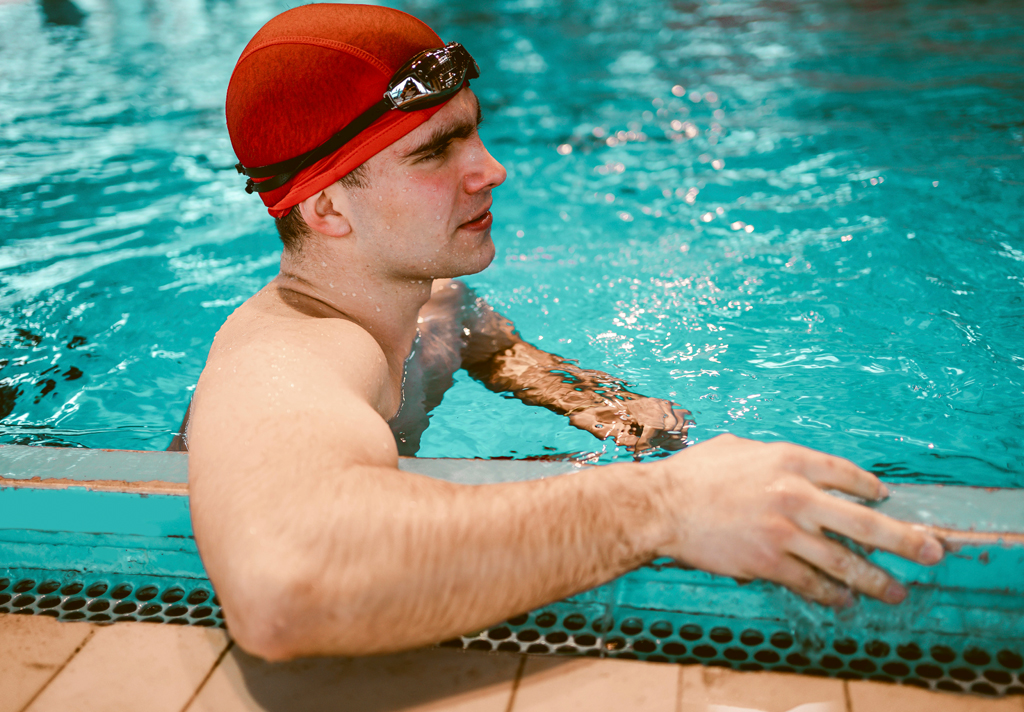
point(883, 697)
point(550, 684)
point(715, 689)
point(33, 650)
point(428, 680)
point(129, 667)
point(140, 667)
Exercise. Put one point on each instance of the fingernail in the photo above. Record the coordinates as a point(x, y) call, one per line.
point(894, 593)
point(931, 552)
point(883, 491)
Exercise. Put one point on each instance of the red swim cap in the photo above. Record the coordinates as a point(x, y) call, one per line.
point(308, 73)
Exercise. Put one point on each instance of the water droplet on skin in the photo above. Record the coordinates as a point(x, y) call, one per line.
point(323, 264)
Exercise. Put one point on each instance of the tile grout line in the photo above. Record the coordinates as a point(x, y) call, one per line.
point(209, 674)
point(846, 696)
point(515, 683)
point(59, 670)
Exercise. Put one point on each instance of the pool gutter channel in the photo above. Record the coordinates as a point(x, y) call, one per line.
point(105, 535)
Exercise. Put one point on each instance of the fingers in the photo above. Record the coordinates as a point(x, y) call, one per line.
point(830, 472)
point(799, 577)
point(843, 565)
point(870, 528)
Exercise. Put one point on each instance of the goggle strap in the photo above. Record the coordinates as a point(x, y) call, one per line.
point(280, 173)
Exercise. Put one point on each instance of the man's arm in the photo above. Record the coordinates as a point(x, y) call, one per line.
point(317, 544)
point(594, 401)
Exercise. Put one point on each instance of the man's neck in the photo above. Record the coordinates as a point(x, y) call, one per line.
point(387, 308)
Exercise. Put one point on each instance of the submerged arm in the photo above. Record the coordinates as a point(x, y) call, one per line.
point(593, 400)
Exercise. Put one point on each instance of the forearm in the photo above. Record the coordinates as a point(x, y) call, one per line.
point(397, 561)
point(540, 378)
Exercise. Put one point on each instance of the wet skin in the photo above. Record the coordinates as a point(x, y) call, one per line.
point(294, 488)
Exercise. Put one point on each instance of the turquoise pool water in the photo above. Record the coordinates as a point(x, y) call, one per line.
point(800, 220)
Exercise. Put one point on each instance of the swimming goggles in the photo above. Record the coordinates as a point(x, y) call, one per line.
point(426, 80)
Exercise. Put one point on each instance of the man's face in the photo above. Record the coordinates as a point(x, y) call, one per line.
point(425, 211)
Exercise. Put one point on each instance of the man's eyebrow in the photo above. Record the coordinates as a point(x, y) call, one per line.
point(445, 134)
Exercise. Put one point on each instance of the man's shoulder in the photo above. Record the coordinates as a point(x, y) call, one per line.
point(253, 349)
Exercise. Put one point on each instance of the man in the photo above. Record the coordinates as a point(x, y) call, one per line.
point(315, 541)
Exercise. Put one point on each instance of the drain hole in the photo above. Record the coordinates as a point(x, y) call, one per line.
point(556, 637)
point(691, 632)
point(1009, 660)
point(538, 648)
point(942, 654)
point(574, 622)
point(146, 593)
point(74, 616)
point(499, 633)
point(99, 618)
point(751, 638)
point(976, 656)
point(4, 598)
point(877, 649)
point(198, 596)
point(178, 621)
point(124, 608)
point(24, 585)
point(863, 665)
point(998, 676)
point(831, 662)
point(480, 645)
point(674, 648)
point(964, 674)
point(897, 669)
point(631, 626)
point(97, 606)
point(506, 647)
point(781, 640)
point(50, 602)
point(645, 646)
point(766, 656)
point(983, 688)
point(736, 654)
point(177, 610)
point(614, 644)
point(72, 588)
point(586, 640)
point(909, 652)
point(4, 583)
point(797, 659)
point(546, 620)
point(48, 587)
point(150, 610)
point(121, 590)
point(661, 629)
point(720, 635)
point(528, 636)
point(845, 646)
point(73, 604)
point(172, 595)
point(930, 672)
point(705, 651)
point(518, 620)
point(21, 601)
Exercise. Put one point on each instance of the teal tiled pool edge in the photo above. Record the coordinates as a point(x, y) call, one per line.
point(105, 536)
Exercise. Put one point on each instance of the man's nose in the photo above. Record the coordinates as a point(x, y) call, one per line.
point(486, 172)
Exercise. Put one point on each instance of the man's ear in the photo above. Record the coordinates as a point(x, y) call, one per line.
point(326, 212)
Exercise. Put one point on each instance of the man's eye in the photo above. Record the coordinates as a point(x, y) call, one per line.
point(437, 152)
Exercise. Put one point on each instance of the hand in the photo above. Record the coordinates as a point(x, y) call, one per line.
point(639, 424)
point(754, 510)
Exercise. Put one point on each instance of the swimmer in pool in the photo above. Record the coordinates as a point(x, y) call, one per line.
point(357, 127)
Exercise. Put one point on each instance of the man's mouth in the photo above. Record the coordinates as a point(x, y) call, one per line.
point(480, 221)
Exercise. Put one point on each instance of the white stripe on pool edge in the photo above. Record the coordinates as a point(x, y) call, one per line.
point(807, 707)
